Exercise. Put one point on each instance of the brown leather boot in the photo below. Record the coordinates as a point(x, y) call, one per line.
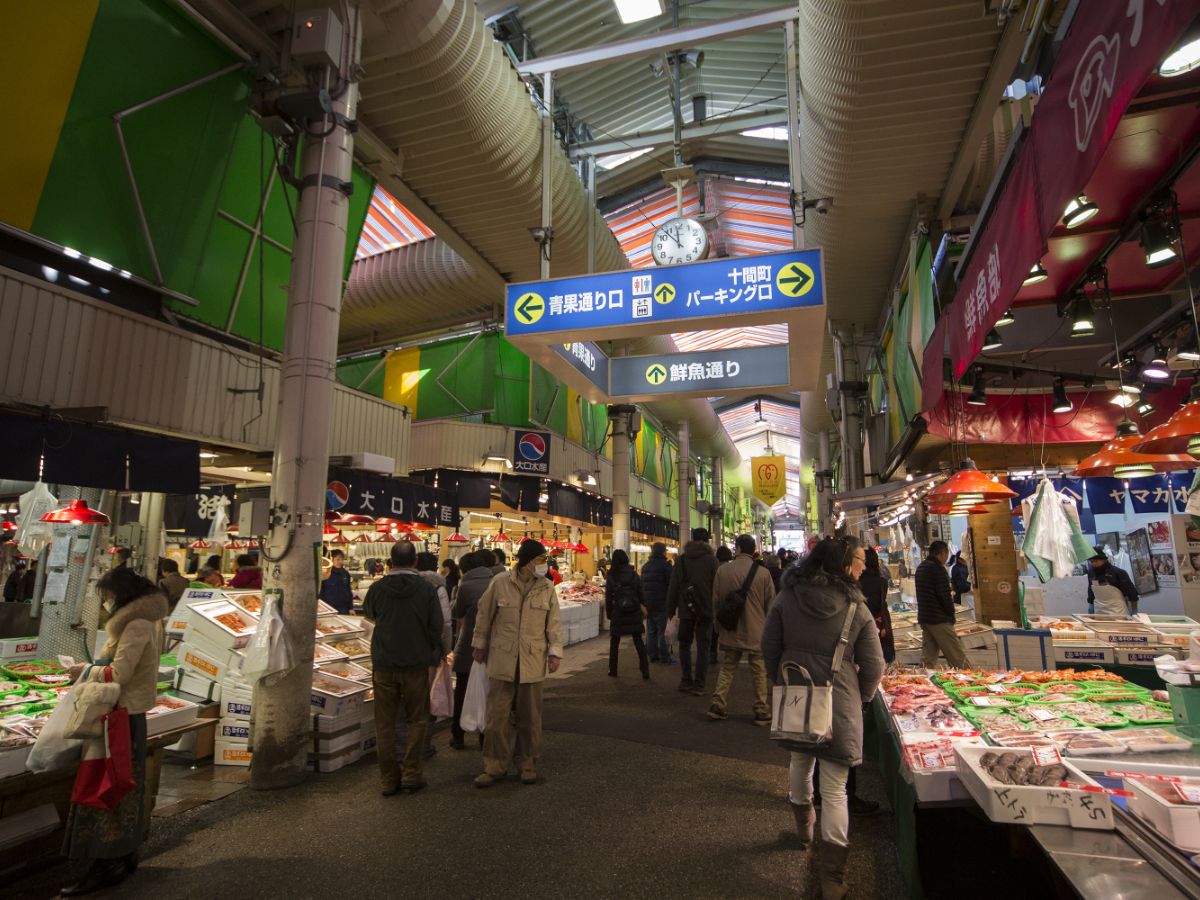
point(806, 818)
point(832, 864)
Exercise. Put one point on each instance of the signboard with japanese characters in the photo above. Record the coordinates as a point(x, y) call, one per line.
point(704, 373)
point(587, 359)
point(729, 286)
point(350, 492)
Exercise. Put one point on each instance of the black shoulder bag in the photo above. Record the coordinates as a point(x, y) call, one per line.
point(733, 604)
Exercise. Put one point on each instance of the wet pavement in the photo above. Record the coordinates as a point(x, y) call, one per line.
point(641, 796)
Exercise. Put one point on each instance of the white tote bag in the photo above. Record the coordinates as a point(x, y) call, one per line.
point(803, 712)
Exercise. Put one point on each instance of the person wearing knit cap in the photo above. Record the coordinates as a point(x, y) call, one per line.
point(519, 636)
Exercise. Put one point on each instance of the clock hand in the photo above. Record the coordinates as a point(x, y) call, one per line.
point(674, 236)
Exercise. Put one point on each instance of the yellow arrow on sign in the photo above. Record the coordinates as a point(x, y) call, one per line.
point(529, 308)
point(795, 280)
point(656, 374)
point(664, 293)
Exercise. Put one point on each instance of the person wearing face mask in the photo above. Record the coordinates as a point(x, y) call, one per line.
point(519, 635)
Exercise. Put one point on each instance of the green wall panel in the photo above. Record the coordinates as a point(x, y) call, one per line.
point(468, 379)
point(549, 398)
point(276, 270)
point(512, 387)
point(214, 285)
point(352, 373)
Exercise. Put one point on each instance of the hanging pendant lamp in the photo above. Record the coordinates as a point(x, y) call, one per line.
point(1179, 434)
point(200, 544)
point(458, 538)
point(969, 481)
point(1119, 458)
point(77, 512)
point(385, 539)
point(340, 539)
point(383, 523)
point(329, 531)
point(354, 521)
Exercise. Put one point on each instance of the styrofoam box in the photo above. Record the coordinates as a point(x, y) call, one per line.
point(12, 762)
point(193, 684)
point(1145, 655)
point(331, 762)
point(1079, 654)
point(227, 753)
point(1178, 823)
point(176, 718)
point(204, 623)
point(195, 660)
point(1176, 635)
point(233, 731)
point(329, 704)
point(1156, 619)
point(979, 640)
point(1124, 634)
point(1028, 805)
point(17, 649)
point(333, 743)
point(237, 704)
point(363, 712)
point(353, 627)
point(1024, 648)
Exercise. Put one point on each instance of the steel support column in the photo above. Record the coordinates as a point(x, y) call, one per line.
point(620, 418)
point(547, 172)
point(718, 518)
point(685, 480)
point(150, 517)
point(796, 190)
point(282, 721)
point(824, 488)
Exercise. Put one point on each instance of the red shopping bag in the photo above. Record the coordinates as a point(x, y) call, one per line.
point(106, 772)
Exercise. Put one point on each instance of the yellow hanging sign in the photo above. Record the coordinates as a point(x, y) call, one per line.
point(768, 475)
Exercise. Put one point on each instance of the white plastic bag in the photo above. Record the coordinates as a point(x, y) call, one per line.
point(33, 535)
point(53, 749)
point(441, 694)
point(269, 651)
point(474, 711)
point(671, 634)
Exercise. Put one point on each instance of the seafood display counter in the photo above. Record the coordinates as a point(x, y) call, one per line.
point(1092, 768)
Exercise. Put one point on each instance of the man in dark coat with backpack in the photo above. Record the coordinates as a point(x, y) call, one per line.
point(690, 597)
point(625, 608)
point(656, 580)
point(743, 594)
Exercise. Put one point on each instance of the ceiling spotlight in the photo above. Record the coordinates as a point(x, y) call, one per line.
point(1078, 211)
point(1157, 242)
point(1181, 60)
point(1036, 275)
point(1157, 367)
point(1082, 318)
point(992, 341)
point(1007, 319)
point(978, 395)
point(1131, 389)
point(1062, 403)
point(1145, 408)
point(1123, 400)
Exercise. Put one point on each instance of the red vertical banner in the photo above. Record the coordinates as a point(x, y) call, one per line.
point(933, 382)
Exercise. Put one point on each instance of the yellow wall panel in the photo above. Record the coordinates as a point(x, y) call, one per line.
point(574, 417)
point(402, 377)
point(41, 48)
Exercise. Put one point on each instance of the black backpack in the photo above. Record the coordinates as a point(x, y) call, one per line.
point(729, 610)
point(627, 598)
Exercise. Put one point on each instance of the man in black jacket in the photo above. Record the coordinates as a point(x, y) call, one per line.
point(656, 581)
point(690, 597)
point(935, 610)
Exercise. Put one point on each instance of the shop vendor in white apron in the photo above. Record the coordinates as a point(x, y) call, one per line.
point(1110, 588)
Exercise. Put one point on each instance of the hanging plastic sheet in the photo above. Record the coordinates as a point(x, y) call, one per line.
point(1054, 543)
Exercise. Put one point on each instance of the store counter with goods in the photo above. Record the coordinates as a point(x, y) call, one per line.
point(1079, 758)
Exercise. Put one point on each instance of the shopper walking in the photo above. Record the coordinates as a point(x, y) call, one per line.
point(935, 610)
point(805, 627)
point(960, 578)
point(110, 840)
point(406, 641)
point(335, 589)
point(518, 635)
point(874, 588)
point(453, 575)
point(656, 581)
point(247, 575)
point(477, 575)
point(774, 569)
point(501, 564)
point(427, 565)
point(172, 584)
point(749, 579)
point(690, 597)
point(626, 610)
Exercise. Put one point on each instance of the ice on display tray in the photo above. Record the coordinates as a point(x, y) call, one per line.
point(1025, 786)
point(337, 627)
point(223, 624)
point(1171, 805)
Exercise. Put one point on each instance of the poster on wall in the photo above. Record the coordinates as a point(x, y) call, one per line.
point(1188, 571)
point(1138, 545)
point(1160, 534)
point(1191, 533)
point(1110, 542)
point(1164, 570)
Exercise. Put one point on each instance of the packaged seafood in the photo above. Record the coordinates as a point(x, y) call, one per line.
point(1014, 786)
point(1151, 740)
point(337, 626)
point(1169, 808)
point(934, 717)
point(1145, 713)
point(891, 682)
point(169, 713)
point(1053, 696)
point(222, 624)
point(1087, 712)
point(1019, 738)
point(250, 602)
point(324, 653)
point(1087, 742)
point(344, 669)
point(12, 687)
point(1020, 769)
point(52, 679)
point(352, 647)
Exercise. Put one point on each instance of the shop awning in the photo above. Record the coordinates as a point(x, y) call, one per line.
point(1110, 50)
point(879, 494)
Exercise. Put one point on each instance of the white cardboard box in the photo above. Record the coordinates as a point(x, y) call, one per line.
point(236, 704)
point(199, 662)
point(226, 753)
point(193, 684)
point(185, 713)
point(234, 731)
point(1085, 654)
point(205, 622)
point(1031, 805)
point(1178, 823)
point(18, 649)
point(1145, 655)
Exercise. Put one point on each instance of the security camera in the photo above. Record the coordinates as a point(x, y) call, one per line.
point(823, 205)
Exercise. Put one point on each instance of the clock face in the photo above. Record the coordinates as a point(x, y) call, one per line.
point(679, 240)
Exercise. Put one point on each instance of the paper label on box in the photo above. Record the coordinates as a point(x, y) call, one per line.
point(202, 664)
point(1041, 713)
point(1142, 776)
point(990, 701)
point(1045, 756)
point(240, 755)
point(931, 759)
point(1189, 793)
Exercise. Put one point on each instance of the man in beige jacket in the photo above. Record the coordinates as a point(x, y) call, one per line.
point(518, 635)
point(746, 639)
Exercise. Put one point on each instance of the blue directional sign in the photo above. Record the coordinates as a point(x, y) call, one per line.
point(587, 359)
point(729, 286)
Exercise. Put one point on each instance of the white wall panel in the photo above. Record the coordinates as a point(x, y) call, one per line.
point(67, 350)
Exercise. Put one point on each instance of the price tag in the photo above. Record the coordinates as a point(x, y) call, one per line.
point(931, 759)
point(1046, 756)
point(997, 688)
point(1041, 713)
point(1143, 776)
point(989, 701)
point(1190, 793)
point(961, 734)
point(1094, 789)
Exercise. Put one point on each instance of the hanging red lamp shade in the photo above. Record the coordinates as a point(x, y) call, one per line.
point(458, 538)
point(9, 526)
point(385, 539)
point(383, 523)
point(235, 544)
point(556, 544)
point(1119, 459)
point(970, 481)
point(232, 529)
point(77, 512)
point(329, 530)
point(200, 544)
point(354, 521)
point(365, 539)
point(1179, 434)
point(499, 538)
point(331, 515)
point(581, 548)
point(340, 539)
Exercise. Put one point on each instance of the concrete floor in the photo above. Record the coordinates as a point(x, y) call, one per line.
point(642, 797)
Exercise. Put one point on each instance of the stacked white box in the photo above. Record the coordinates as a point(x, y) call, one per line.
point(234, 731)
point(227, 753)
point(1031, 649)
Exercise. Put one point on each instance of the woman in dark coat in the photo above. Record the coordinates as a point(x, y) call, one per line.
point(626, 611)
point(874, 587)
point(804, 627)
